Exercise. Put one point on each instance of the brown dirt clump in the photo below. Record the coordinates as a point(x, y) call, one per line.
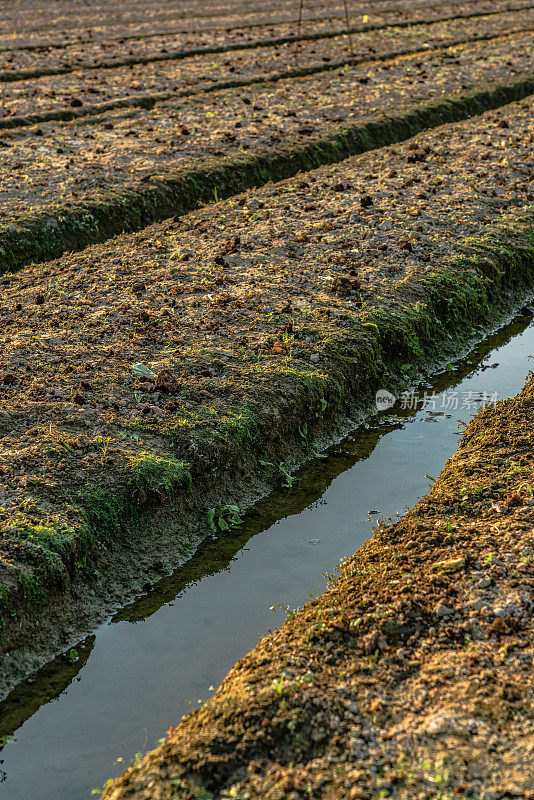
point(410, 677)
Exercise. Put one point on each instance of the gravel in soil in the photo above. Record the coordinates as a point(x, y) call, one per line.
point(49, 167)
point(40, 24)
point(410, 677)
point(122, 363)
point(89, 86)
point(105, 52)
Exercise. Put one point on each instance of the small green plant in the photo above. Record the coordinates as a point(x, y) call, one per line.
point(232, 792)
point(54, 287)
point(287, 478)
point(290, 612)
point(29, 503)
point(142, 371)
point(245, 424)
point(438, 775)
point(158, 474)
point(98, 791)
point(292, 726)
point(33, 590)
point(224, 517)
point(103, 442)
point(73, 655)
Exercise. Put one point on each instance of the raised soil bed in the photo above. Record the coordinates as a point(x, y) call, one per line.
point(29, 25)
point(79, 92)
point(86, 181)
point(257, 330)
point(190, 40)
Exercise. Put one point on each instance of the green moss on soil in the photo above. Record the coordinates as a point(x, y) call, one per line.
point(436, 316)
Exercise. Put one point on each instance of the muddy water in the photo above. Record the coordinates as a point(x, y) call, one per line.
point(77, 724)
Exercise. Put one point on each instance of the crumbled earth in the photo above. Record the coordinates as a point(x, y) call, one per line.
point(40, 24)
point(118, 76)
point(411, 677)
point(223, 32)
point(51, 166)
point(196, 73)
point(140, 375)
point(121, 364)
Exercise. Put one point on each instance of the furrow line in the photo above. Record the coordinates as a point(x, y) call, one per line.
point(14, 76)
point(148, 101)
point(43, 236)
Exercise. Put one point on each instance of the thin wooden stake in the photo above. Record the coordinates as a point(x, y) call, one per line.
point(299, 23)
point(351, 49)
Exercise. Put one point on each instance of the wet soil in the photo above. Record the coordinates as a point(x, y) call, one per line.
point(131, 369)
point(190, 627)
point(149, 381)
point(412, 674)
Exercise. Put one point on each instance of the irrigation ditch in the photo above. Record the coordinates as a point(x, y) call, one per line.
point(228, 587)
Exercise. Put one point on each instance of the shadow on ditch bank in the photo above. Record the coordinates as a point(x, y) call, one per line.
point(85, 715)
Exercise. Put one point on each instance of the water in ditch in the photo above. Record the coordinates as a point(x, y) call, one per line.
point(77, 724)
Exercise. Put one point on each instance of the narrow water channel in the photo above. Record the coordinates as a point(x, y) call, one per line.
point(77, 724)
